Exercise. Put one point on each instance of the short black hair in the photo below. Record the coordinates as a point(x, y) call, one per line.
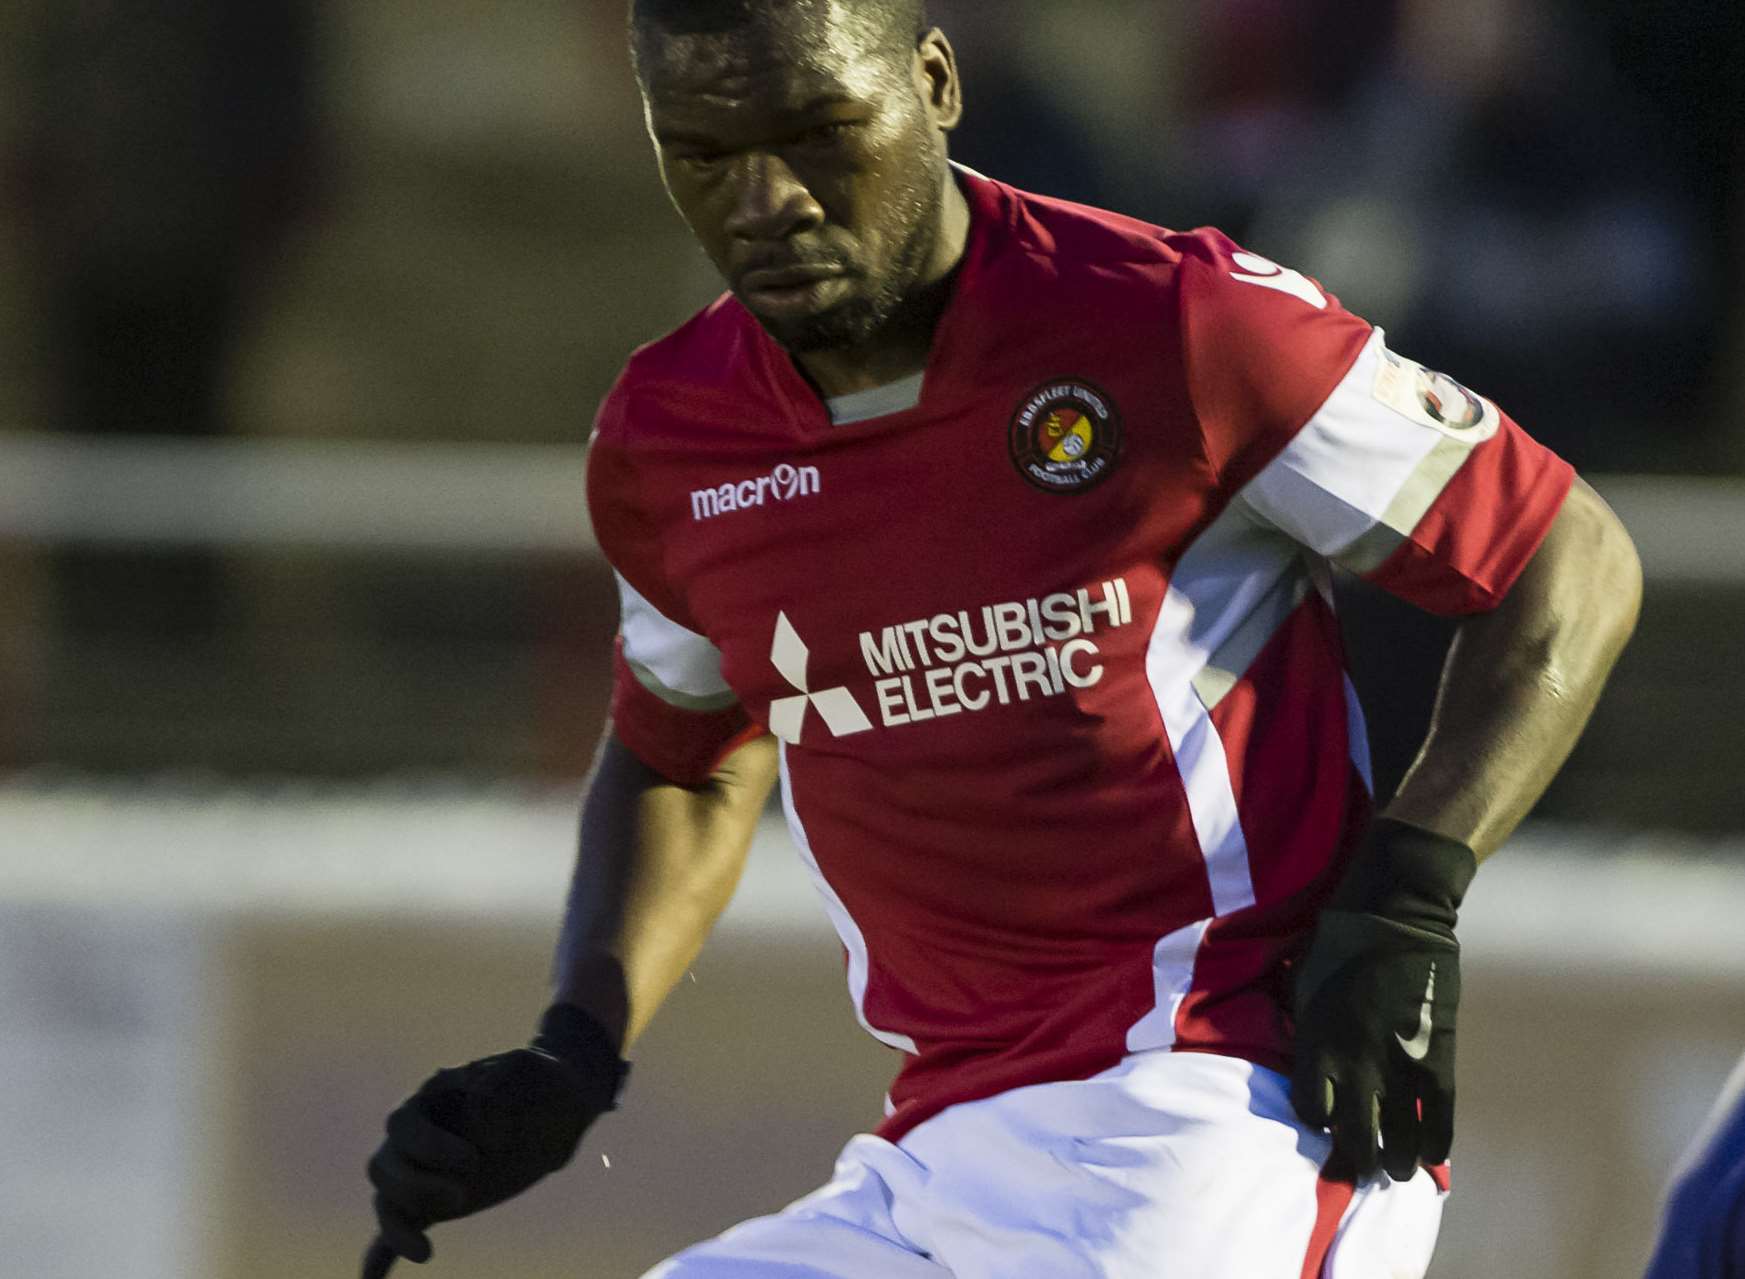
point(893, 26)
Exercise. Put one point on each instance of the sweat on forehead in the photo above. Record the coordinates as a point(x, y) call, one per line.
point(883, 25)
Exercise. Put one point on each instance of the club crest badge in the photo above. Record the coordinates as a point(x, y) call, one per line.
point(1065, 436)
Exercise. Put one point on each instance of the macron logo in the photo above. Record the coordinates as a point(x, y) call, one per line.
point(784, 484)
point(841, 714)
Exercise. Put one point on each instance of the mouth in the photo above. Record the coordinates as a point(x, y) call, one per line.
point(790, 290)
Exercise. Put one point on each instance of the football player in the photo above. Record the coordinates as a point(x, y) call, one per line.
point(1062, 732)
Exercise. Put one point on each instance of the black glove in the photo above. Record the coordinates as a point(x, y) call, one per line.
point(475, 1135)
point(1375, 1001)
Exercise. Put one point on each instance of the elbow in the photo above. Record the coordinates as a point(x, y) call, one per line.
point(1630, 570)
point(1581, 595)
point(1615, 567)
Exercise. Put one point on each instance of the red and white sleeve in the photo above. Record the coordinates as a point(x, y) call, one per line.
point(1395, 472)
point(670, 705)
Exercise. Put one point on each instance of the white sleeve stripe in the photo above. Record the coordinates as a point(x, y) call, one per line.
point(1361, 465)
point(677, 665)
point(1410, 505)
point(673, 697)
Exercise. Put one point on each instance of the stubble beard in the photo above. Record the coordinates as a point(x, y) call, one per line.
point(862, 322)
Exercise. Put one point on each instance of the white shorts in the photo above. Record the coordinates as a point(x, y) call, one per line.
point(1169, 1166)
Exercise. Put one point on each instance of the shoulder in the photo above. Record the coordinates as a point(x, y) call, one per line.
point(662, 412)
point(1199, 278)
point(704, 356)
point(1262, 346)
point(1226, 292)
point(704, 350)
point(1231, 313)
point(1088, 252)
point(634, 414)
point(1070, 233)
point(1075, 237)
point(1249, 324)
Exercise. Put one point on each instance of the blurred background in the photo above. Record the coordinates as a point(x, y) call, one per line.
point(304, 311)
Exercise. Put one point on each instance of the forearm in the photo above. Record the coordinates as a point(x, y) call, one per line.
point(656, 867)
point(1521, 681)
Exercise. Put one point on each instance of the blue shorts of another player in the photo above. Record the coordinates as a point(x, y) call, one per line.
point(1703, 1233)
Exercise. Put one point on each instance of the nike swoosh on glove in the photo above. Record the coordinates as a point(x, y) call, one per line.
point(1376, 1000)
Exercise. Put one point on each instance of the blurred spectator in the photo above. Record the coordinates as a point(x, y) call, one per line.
point(1680, 59)
point(1492, 195)
point(167, 150)
point(1015, 127)
point(1265, 76)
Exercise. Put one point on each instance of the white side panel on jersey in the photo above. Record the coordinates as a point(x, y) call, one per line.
point(852, 939)
point(1357, 735)
point(1224, 598)
point(1363, 471)
point(677, 665)
point(1172, 973)
point(1356, 728)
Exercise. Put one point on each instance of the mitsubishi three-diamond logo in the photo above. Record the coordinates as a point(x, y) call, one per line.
point(787, 715)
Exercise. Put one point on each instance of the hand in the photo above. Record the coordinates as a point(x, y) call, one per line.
point(475, 1135)
point(379, 1259)
point(1375, 1043)
point(1375, 1002)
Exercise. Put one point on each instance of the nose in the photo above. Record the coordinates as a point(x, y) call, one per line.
point(770, 202)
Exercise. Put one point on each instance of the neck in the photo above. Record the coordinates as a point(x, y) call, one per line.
point(902, 349)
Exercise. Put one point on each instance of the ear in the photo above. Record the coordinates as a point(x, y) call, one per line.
point(937, 80)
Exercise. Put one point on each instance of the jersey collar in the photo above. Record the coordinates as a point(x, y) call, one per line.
point(946, 382)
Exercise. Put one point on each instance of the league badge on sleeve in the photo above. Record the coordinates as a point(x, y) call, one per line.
point(1065, 436)
point(1434, 400)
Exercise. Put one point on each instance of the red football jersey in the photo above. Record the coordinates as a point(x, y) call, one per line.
point(1066, 736)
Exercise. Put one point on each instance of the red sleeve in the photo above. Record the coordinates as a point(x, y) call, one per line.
point(680, 736)
point(683, 746)
point(1262, 348)
point(1475, 540)
point(1342, 445)
point(629, 537)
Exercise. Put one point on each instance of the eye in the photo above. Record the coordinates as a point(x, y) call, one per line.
point(825, 135)
point(697, 160)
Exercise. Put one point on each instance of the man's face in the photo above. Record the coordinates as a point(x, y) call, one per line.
point(808, 162)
